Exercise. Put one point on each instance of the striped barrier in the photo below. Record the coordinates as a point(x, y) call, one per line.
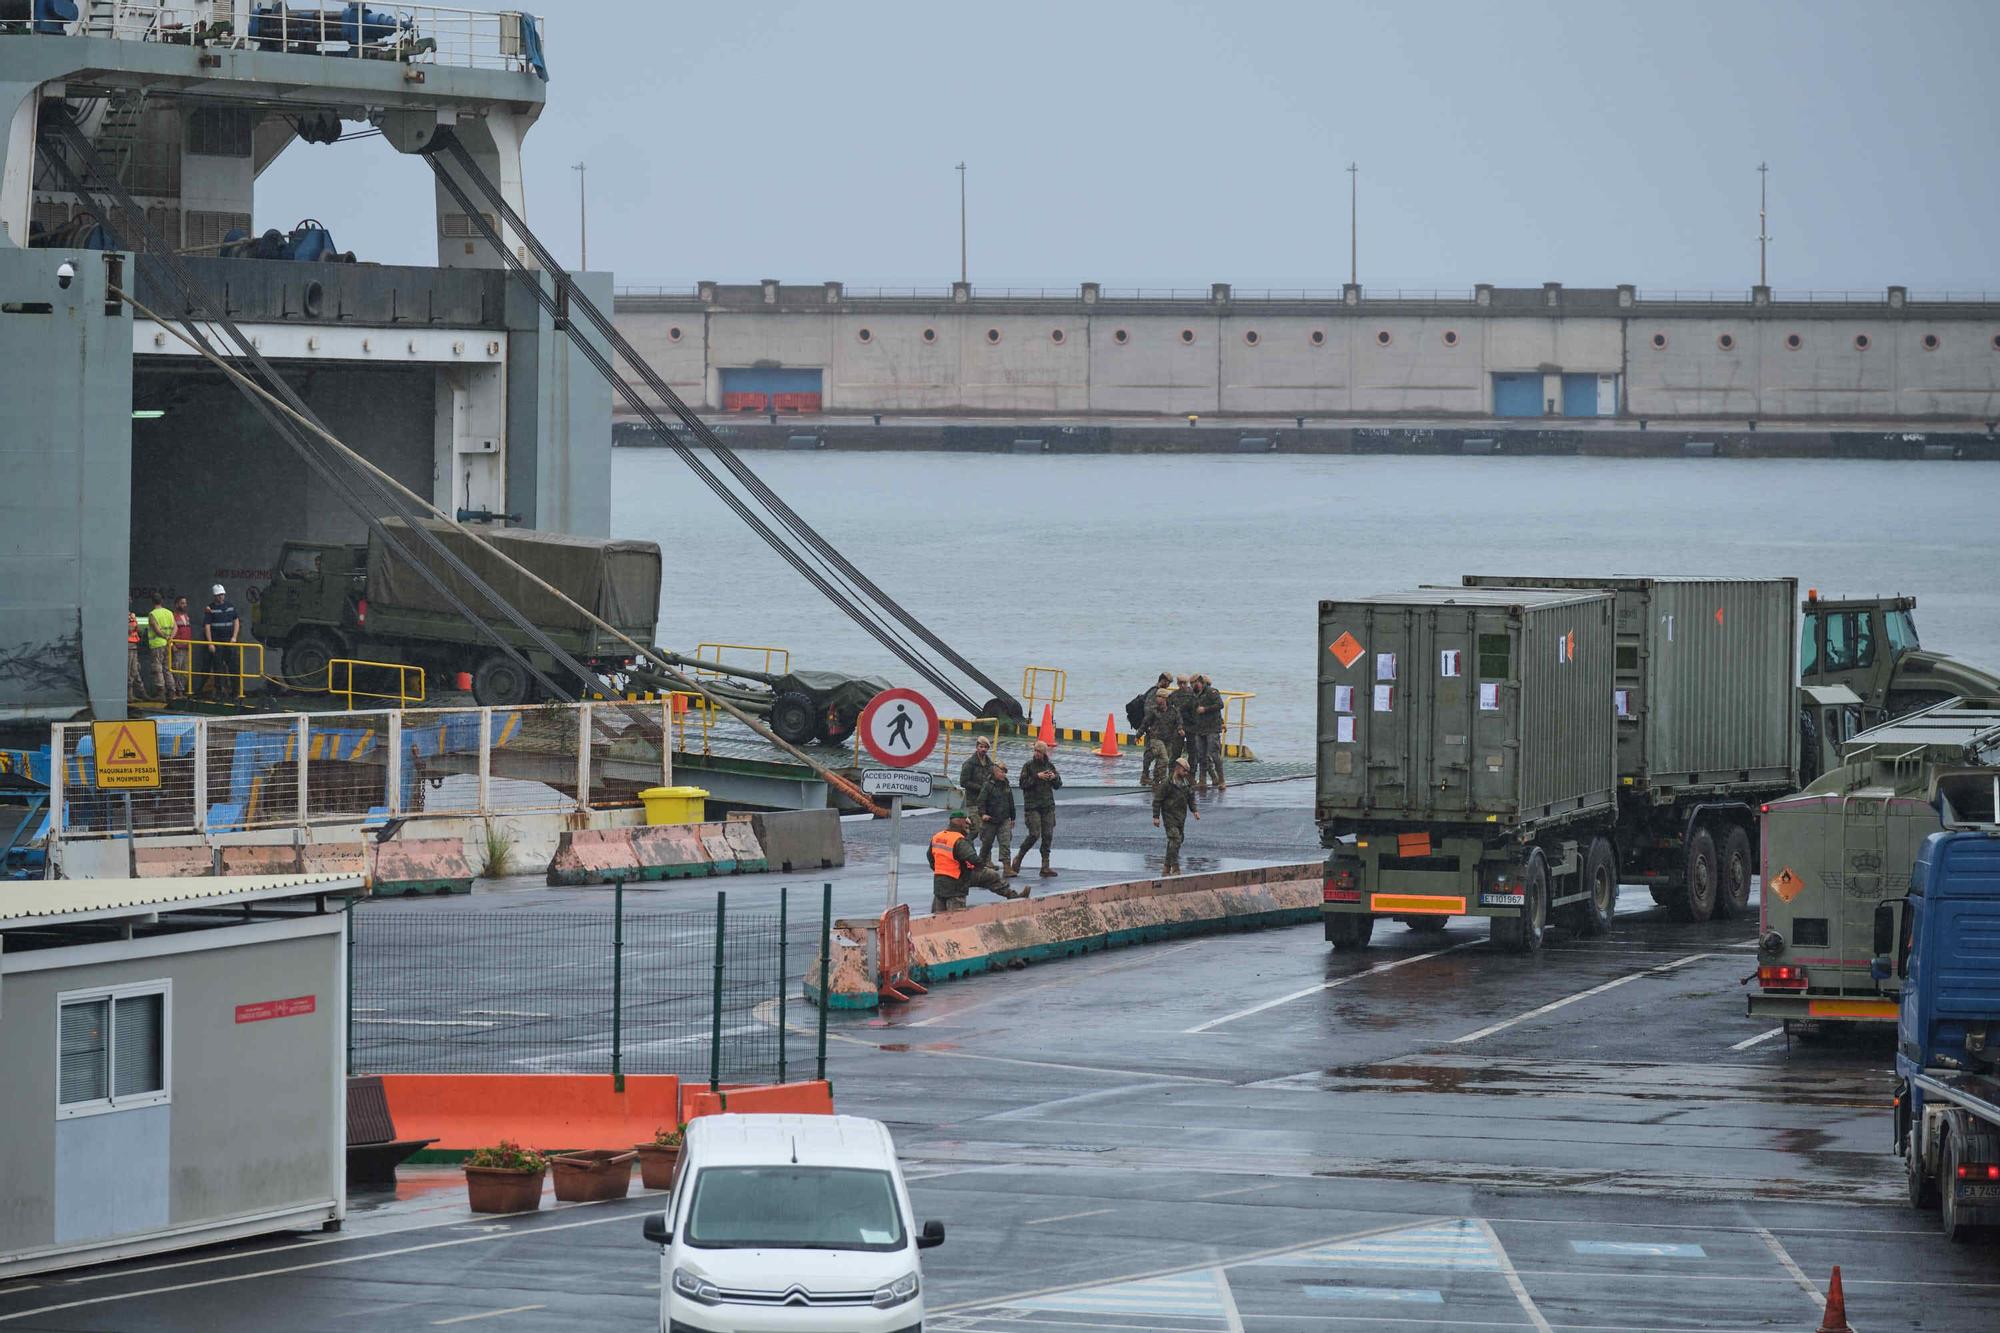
point(996, 936)
point(655, 852)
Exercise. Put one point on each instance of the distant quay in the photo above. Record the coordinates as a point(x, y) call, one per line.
point(1600, 440)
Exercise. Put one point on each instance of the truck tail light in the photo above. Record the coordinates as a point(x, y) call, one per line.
point(361, 612)
point(1782, 977)
point(1340, 887)
point(1976, 1171)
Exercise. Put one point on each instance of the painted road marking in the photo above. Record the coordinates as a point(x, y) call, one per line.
point(1784, 1258)
point(1193, 1295)
point(1759, 1039)
point(427, 1022)
point(1068, 1217)
point(1568, 1000)
point(1640, 1248)
point(1246, 1189)
point(1459, 1245)
point(1376, 970)
point(1414, 1295)
point(504, 1013)
point(1514, 1282)
point(485, 1314)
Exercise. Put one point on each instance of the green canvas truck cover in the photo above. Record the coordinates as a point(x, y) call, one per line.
point(618, 580)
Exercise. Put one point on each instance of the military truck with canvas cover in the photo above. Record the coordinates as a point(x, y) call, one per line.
point(371, 603)
point(1839, 853)
point(1466, 761)
point(1706, 705)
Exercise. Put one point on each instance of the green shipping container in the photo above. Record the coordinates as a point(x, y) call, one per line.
point(1465, 707)
point(1705, 687)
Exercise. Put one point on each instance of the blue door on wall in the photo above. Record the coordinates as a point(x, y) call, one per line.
point(769, 379)
point(1579, 395)
point(1517, 395)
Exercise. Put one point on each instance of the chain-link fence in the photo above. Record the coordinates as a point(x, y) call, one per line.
point(698, 994)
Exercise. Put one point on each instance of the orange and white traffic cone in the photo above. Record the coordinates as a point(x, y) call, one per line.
point(1836, 1307)
point(1047, 735)
point(1108, 747)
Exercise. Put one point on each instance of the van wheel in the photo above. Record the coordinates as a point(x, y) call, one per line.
point(1732, 876)
point(1600, 885)
point(306, 658)
point(1349, 930)
point(1696, 899)
point(499, 682)
point(1525, 933)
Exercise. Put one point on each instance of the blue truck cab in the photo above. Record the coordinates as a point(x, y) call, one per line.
point(1947, 1121)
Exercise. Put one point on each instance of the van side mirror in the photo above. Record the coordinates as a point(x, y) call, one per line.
point(656, 1229)
point(1885, 929)
point(931, 1236)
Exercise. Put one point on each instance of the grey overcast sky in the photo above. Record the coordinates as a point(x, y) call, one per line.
point(1177, 144)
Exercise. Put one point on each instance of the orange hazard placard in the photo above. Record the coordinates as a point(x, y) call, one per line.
point(1786, 884)
point(1346, 649)
point(126, 755)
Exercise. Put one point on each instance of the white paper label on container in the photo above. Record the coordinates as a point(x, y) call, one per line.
point(1343, 730)
point(1385, 697)
point(1343, 698)
point(1385, 666)
point(1621, 702)
point(1489, 696)
point(1450, 663)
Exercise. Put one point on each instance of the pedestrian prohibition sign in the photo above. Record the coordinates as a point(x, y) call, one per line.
point(899, 727)
point(127, 754)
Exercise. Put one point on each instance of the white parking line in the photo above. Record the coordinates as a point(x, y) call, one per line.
point(1514, 1282)
point(505, 1013)
point(1376, 970)
point(1246, 1189)
point(1784, 1258)
point(1068, 1217)
point(484, 1314)
point(1568, 1000)
point(425, 1022)
point(1758, 1040)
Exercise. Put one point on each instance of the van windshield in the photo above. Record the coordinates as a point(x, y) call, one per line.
point(794, 1208)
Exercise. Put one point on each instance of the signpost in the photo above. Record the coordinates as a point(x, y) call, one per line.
point(899, 728)
point(125, 756)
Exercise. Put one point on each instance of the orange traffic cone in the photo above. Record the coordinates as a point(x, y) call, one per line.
point(1108, 747)
point(1836, 1307)
point(1047, 735)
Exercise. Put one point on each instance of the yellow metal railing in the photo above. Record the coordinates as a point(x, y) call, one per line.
point(981, 726)
point(776, 661)
point(681, 705)
point(1041, 685)
point(341, 669)
point(1236, 715)
point(247, 658)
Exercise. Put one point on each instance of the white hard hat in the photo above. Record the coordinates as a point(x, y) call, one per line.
point(216, 591)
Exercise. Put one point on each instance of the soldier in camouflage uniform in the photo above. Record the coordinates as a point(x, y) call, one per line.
point(974, 774)
point(1177, 718)
point(1206, 717)
point(1153, 768)
point(1039, 781)
point(996, 809)
point(1173, 802)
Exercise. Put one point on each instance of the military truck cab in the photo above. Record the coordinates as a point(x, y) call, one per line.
point(313, 608)
point(1869, 644)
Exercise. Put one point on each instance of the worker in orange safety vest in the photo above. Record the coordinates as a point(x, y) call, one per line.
point(956, 869)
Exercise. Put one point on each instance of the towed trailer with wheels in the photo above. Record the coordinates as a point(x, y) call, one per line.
point(1947, 1105)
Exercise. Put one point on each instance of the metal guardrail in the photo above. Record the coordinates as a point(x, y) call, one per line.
point(409, 34)
point(777, 661)
point(247, 654)
point(340, 681)
point(1034, 680)
point(1368, 296)
point(1236, 713)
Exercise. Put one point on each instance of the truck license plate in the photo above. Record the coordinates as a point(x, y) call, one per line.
point(1503, 899)
point(1978, 1193)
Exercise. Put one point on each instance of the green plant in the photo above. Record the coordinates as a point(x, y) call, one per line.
point(496, 852)
point(507, 1155)
point(670, 1138)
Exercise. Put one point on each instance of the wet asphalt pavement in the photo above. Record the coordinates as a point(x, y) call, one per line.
point(1246, 1132)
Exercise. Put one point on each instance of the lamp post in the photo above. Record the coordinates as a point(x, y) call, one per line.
point(582, 220)
point(1353, 225)
point(1763, 230)
point(962, 271)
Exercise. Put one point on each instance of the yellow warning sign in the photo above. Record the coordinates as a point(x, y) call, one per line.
point(1345, 649)
point(1786, 884)
point(126, 754)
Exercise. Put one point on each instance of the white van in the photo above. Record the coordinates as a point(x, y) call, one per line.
point(780, 1223)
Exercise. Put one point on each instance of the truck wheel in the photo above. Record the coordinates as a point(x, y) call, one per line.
point(1349, 930)
point(1600, 883)
point(1923, 1185)
point(1732, 879)
point(499, 682)
point(1947, 1186)
point(306, 658)
point(793, 717)
point(1526, 932)
point(1429, 925)
point(1695, 900)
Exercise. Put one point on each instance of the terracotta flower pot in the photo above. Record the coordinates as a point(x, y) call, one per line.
point(656, 1165)
point(492, 1189)
point(600, 1173)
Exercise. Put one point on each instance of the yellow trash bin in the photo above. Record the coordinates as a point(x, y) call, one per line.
point(675, 805)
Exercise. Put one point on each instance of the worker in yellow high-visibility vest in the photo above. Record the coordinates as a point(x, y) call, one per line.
point(159, 629)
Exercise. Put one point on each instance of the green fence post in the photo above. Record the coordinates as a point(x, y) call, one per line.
point(715, 1016)
point(783, 893)
point(350, 985)
point(618, 985)
point(825, 948)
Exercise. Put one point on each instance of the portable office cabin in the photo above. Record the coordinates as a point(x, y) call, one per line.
point(1705, 682)
point(1466, 706)
point(175, 1075)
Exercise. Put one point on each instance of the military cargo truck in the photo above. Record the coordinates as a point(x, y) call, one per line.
point(1837, 856)
point(1869, 644)
point(1707, 717)
point(366, 602)
point(1466, 760)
